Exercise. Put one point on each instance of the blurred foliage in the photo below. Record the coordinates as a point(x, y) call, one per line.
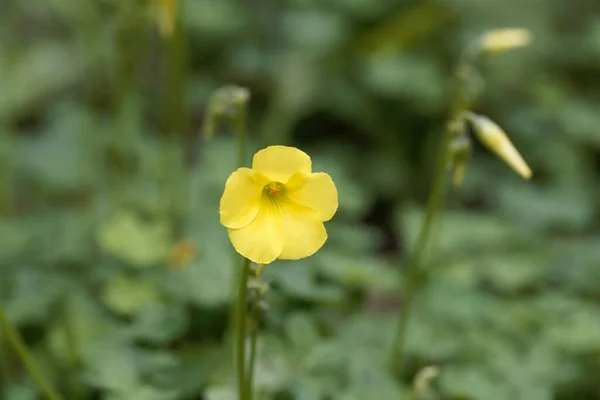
point(116, 270)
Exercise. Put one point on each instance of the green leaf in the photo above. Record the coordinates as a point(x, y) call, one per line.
point(141, 243)
point(462, 232)
point(363, 272)
point(128, 295)
point(112, 368)
point(159, 323)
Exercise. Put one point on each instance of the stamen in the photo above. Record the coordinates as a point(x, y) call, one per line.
point(273, 189)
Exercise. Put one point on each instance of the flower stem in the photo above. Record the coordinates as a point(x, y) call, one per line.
point(72, 350)
point(240, 328)
point(252, 356)
point(12, 336)
point(465, 93)
point(4, 366)
point(434, 203)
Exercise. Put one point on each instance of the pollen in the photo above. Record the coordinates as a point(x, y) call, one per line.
point(274, 189)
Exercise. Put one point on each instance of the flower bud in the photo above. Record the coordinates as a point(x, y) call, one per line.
point(224, 105)
point(495, 139)
point(166, 12)
point(501, 40)
point(422, 382)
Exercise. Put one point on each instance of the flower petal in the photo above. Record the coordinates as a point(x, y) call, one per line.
point(302, 231)
point(261, 240)
point(240, 202)
point(316, 191)
point(279, 163)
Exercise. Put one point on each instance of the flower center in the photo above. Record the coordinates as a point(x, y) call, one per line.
point(274, 189)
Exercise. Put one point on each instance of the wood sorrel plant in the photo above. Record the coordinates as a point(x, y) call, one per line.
point(455, 148)
point(274, 210)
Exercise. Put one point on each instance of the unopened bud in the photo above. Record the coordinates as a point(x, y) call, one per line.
point(495, 139)
point(224, 106)
point(422, 382)
point(166, 13)
point(501, 40)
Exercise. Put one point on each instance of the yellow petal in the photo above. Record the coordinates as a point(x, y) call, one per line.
point(302, 231)
point(279, 163)
point(240, 202)
point(316, 191)
point(261, 240)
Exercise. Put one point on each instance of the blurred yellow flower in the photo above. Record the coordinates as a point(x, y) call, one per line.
point(500, 40)
point(276, 209)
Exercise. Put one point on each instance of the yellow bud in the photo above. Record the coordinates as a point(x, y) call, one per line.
point(495, 139)
point(166, 12)
point(501, 40)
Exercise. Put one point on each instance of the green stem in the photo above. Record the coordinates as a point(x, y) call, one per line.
point(252, 356)
point(240, 129)
point(240, 328)
point(464, 97)
point(14, 339)
point(4, 366)
point(434, 203)
point(72, 350)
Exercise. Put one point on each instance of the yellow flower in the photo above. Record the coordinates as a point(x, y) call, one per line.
point(276, 209)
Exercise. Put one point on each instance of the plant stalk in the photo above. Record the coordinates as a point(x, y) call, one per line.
point(13, 338)
point(465, 94)
point(240, 329)
point(251, 358)
point(436, 199)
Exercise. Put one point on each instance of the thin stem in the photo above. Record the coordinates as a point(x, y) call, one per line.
point(240, 283)
point(252, 356)
point(240, 327)
point(72, 350)
point(14, 339)
point(4, 366)
point(464, 97)
point(434, 203)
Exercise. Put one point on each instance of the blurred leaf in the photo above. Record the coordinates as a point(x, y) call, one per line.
point(221, 393)
point(315, 30)
point(355, 271)
point(35, 73)
point(112, 368)
point(416, 81)
point(61, 158)
point(33, 295)
point(159, 323)
point(214, 19)
point(128, 295)
point(142, 243)
point(457, 232)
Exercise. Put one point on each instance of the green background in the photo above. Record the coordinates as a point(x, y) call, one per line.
point(104, 170)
